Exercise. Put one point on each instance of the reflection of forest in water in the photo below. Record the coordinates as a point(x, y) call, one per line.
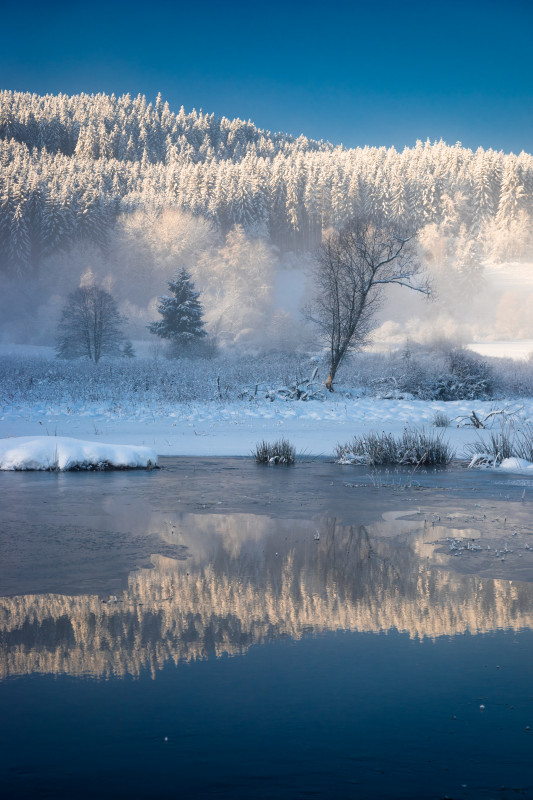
point(250, 579)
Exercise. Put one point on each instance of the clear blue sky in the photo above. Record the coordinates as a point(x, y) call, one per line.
point(379, 73)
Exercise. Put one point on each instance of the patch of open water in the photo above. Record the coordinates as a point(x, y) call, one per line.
point(218, 629)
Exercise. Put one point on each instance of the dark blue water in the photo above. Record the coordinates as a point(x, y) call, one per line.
point(252, 659)
point(341, 715)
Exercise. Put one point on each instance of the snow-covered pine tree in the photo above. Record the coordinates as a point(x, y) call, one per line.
point(100, 156)
point(127, 350)
point(20, 246)
point(182, 314)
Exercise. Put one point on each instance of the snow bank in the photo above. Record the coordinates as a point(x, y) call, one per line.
point(488, 461)
point(516, 465)
point(63, 453)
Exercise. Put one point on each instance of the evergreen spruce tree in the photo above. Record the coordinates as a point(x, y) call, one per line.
point(182, 314)
point(127, 350)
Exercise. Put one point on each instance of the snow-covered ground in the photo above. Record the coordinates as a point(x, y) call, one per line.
point(172, 410)
point(227, 429)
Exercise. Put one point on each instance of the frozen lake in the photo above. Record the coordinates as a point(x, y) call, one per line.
point(219, 629)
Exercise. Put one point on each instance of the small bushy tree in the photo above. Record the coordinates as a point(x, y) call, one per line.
point(182, 313)
point(90, 325)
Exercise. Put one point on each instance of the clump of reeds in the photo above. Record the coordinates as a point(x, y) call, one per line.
point(441, 420)
point(412, 447)
point(280, 452)
point(509, 442)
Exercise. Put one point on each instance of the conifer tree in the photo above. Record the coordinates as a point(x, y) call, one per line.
point(182, 313)
point(83, 160)
point(127, 350)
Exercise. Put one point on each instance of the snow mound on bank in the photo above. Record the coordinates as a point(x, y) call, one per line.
point(488, 461)
point(516, 465)
point(64, 453)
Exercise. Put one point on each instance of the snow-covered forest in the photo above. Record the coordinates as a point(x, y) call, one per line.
point(130, 192)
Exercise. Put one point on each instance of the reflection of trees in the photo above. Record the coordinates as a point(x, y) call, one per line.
point(271, 585)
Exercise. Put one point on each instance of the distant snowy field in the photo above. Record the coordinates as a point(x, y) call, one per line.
point(520, 350)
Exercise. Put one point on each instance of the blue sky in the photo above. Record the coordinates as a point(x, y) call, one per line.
point(382, 73)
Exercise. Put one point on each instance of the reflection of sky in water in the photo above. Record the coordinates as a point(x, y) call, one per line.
point(246, 580)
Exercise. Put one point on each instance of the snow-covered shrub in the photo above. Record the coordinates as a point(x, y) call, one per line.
point(433, 374)
point(412, 447)
point(513, 378)
point(441, 372)
point(280, 452)
point(470, 377)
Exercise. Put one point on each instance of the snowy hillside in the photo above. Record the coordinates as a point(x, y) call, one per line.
point(129, 192)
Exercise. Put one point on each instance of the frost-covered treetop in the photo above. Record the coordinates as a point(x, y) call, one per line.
point(71, 165)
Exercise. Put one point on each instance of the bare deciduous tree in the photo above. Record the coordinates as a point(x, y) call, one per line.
point(90, 325)
point(353, 267)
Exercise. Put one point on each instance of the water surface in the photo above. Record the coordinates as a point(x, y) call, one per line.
point(215, 629)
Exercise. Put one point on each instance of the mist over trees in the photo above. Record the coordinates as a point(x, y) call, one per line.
point(136, 192)
point(91, 325)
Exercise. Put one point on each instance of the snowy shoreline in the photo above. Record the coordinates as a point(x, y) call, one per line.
point(218, 428)
point(60, 453)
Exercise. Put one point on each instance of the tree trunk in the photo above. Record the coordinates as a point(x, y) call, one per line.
point(334, 363)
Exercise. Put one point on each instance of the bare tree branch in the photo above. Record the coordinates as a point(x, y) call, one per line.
point(353, 267)
point(90, 325)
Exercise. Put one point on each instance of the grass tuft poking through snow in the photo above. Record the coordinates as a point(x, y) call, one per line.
point(510, 442)
point(280, 452)
point(492, 450)
point(441, 420)
point(412, 447)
